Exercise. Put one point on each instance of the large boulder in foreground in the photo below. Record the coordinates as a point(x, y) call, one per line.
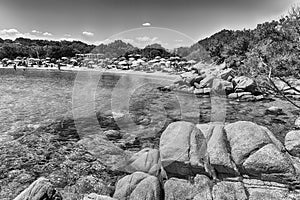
point(243, 83)
point(292, 143)
point(40, 189)
point(180, 189)
point(183, 149)
point(218, 151)
point(258, 153)
point(229, 190)
point(269, 163)
point(244, 138)
point(138, 186)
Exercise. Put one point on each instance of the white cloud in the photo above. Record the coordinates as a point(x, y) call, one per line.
point(127, 40)
point(47, 34)
point(36, 32)
point(146, 24)
point(89, 34)
point(9, 32)
point(146, 39)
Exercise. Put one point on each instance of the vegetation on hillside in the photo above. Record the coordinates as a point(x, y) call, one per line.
point(41, 48)
point(272, 47)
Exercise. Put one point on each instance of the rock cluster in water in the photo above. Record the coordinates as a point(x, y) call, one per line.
point(204, 79)
point(240, 160)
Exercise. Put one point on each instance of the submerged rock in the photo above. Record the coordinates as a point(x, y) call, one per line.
point(273, 110)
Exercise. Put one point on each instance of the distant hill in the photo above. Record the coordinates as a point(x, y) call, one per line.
point(114, 49)
point(25, 47)
point(151, 51)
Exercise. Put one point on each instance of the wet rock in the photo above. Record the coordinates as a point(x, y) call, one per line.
point(273, 110)
point(39, 190)
point(259, 98)
point(202, 91)
point(129, 141)
point(225, 74)
point(229, 190)
point(180, 189)
point(244, 138)
point(292, 143)
point(248, 97)
point(134, 186)
point(183, 149)
point(244, 84)
point(238, 95)
point(94, 196)
point(297, 123)
point(113, 134)
point(221, 86)
point(207, 82)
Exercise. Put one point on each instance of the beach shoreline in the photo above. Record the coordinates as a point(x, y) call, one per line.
point(156, 74)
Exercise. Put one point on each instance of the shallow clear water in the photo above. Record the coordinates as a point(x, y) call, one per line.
point(36, 97)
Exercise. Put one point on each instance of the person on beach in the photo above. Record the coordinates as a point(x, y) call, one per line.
point(15, 67)
point(58, 66)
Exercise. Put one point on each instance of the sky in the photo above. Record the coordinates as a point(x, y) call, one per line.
point(172, 23)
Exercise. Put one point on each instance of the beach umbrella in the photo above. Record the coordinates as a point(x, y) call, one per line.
point(191, 62)
point(135, 63)
point(4, 59)
point(157, 57)
point(91, 62)
point(182, 63)
point(131, 59)
point(64, 58)
point(123, 62)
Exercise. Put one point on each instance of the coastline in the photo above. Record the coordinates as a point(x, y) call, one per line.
point(156, 74)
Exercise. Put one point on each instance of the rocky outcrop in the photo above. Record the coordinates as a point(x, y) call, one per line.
point(215, 161)
point(138, 186)
point(39, 190)
point(208, 78)
point(244, 84)
point(183, 149)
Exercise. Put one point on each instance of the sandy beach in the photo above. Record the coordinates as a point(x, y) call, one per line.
point(156, 74)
